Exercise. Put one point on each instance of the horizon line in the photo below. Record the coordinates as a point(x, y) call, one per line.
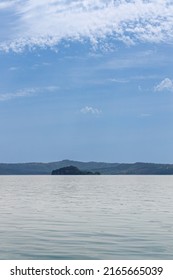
point(90, 161)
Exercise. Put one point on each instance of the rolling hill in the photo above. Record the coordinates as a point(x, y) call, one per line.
point(36, 168)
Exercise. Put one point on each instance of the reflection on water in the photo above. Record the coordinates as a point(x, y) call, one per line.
point(86, 217)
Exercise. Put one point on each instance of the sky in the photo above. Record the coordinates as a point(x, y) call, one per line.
point(88, 80)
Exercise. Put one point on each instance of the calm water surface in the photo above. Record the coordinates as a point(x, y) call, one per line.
point(86, 217)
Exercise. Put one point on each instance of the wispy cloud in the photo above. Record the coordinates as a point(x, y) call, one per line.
point(51, 88)
point(90, 110)
point(166, 84)
point(7, 4)
point(145, 115)
point(20, 93)
point(121, 81)
point(46, 22)
point(13, 68)
point(27, 92)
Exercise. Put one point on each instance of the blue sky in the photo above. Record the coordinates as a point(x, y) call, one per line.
point(86, 80)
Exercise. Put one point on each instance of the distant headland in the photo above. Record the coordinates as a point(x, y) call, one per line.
point(103, 168)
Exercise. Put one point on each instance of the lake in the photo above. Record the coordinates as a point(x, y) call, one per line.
point(86, 217)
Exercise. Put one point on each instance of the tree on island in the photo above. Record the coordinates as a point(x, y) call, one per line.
point(72, 170)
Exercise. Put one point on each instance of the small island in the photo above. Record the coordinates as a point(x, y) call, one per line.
point(72, 170)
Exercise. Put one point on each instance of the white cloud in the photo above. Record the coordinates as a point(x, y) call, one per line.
point(166, 84)
point(13, 68)
point(46, 22)
point(6, 4)
point(51, 88)
point(27, 92)
point(121, 81)
point(139, 88)
point(145, 115)
point(90, 110)
point(20, 93)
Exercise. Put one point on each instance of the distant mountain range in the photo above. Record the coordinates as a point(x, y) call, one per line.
point(36, 168)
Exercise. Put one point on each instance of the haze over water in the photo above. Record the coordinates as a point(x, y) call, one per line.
point(86, 217)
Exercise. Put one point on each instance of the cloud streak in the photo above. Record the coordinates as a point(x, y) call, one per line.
point(6, 4)
point(45, 23)
point(20, 93)
point(27, 92)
